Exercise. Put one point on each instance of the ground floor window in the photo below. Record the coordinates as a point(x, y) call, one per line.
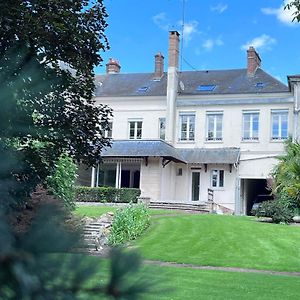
point(217, 178)
point(119, 175)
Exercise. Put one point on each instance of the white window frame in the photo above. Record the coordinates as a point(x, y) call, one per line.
point(218, 178)
point(251, 137)
point(108, 132)
point(135, 136)
point(189, 115)
point(279, 112)
point(162, 132)
point(215, 115)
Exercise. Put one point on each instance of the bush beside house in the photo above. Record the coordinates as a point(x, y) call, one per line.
point(128, 223)
point(106, 194)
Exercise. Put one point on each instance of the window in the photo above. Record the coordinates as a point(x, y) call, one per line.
point(279, 124)
point(206, 88)
point(162, 128)
point(217, 178)
point(108, 130)
point(187, 127)
point(250, 125)
point(143, 89)
point(214, 122)
point(135, 130)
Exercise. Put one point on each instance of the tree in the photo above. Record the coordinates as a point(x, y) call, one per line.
point(48, 50)
point(295, 6)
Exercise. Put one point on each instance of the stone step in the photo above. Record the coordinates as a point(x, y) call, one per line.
point(179, 206)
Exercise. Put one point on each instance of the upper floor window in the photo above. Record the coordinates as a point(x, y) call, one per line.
point(214, 122)
point(217, 178)
point(187, 127)
point(279, 119)
point(108, 130)
point(250, 125)
point(135, 129)
point(162, 128)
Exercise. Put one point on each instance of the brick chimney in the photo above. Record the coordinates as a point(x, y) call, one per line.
point(172, 86)
point(253, 61)
point(113, 66)
point(173, 49)
point(159, 66)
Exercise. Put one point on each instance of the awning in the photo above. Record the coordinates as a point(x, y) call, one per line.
point(210, 156)
point(142, 148)
point(159, 148)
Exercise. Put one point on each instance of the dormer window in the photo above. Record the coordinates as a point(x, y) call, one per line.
point(143, 89)
point(260, 85)
point(206, 88)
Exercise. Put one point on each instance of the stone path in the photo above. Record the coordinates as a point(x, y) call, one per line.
point(226, 269)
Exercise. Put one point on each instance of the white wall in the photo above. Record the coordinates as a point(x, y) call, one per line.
point(150, 179)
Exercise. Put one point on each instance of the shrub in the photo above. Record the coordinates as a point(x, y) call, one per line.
point(128, 223)
point(106, 194)
point(61, 183)
point(278, 210)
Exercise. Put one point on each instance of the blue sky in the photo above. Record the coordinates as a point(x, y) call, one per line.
point(216, 34)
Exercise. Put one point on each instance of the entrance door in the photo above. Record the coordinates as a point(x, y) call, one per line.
point(195, 185)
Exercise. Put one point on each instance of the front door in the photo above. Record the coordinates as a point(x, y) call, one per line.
point(195, 185)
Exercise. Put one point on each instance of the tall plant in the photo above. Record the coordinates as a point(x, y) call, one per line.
point(287, 175)
point(61, 183)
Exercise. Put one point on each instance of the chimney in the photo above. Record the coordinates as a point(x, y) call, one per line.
point(159, 66)
point(253, 61)
point(173, 49)
point(172, 86)
point(113, 66)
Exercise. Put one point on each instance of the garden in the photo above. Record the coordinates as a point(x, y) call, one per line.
point(246, 258)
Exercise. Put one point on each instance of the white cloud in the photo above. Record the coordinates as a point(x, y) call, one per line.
point(263, 42)
point(189, 30)
point(219, 8)
point(209, 44)
point(285, 16)
point(161, 21)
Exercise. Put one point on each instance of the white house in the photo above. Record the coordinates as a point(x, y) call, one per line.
point(178, 134)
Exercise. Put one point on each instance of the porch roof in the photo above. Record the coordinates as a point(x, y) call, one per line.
point(142, 148)
point(210, 156)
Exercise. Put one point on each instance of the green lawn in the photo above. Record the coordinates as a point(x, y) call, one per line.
point(191, 284)
point(169, 283)
point(96, 211)
point(222, 241)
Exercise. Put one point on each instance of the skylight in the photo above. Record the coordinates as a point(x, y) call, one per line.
point(206, 88)
point(143, 89)
point(260, 84)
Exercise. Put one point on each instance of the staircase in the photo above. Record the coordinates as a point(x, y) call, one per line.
point(201, 208)
point(91, 235)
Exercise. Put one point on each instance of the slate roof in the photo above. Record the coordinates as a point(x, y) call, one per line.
point(159, 148)
point(210, 156)
point(227, 82)
point(142, 148)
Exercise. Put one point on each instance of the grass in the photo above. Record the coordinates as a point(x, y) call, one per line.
point(222, 241)
point(97, 211)
point(169, 283)
point(186, 283)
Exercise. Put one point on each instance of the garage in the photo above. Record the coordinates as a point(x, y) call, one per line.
point(252, 189)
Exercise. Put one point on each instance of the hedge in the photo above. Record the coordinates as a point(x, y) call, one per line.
point(106, 194)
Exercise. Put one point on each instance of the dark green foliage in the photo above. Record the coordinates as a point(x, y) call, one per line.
point(129, 223)
point(294, 5)
point(106, 194)
point(287, 174)
point(35, 265)
point(48, 50)
point(278, 210)
point(62, 182)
